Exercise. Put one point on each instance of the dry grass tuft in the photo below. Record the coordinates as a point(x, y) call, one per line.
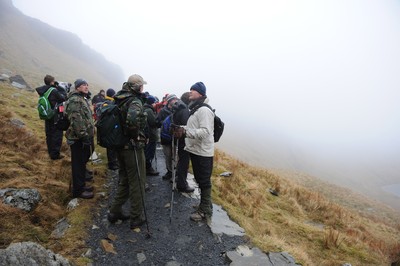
point(301, 221)
point(24, 163)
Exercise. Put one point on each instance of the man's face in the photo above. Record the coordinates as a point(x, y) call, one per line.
point(83, 88)
point(194, 95)
point(172, 102)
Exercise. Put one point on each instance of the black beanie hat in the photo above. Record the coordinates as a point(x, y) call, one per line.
point(199, 87)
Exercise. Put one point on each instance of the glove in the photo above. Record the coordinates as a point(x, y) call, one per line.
point(179, 132)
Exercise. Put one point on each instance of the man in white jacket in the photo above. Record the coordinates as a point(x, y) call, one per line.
point(199, 140)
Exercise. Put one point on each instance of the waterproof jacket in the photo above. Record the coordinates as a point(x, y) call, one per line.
point(131, 105)
point(152, 125)
point(200, 130)
point(80, 116)
point(56, 96)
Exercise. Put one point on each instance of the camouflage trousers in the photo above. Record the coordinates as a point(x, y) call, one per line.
point(129, 182)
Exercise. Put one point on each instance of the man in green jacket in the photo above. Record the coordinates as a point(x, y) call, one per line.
point(80, 137)
point(132, 163)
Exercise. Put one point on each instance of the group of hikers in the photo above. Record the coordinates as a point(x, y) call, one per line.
point(184, 126)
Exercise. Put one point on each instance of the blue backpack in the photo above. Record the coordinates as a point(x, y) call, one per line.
point(166, 133)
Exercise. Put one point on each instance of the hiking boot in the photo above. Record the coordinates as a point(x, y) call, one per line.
point(186, 189)
point(198, 216)
point(151, 172)
point(113, 217)
point(88, 188)
point(167, 176)
point(137, 222)
point(86, 195)
point(147, 187)
point(57, 157)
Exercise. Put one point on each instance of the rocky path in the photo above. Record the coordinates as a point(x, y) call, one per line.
point(181, 242)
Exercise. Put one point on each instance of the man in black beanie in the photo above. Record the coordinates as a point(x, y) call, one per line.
point(199, 140)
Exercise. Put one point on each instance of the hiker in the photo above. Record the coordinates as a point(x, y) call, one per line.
point(80, 138)
point(98, 98)
point(112, 160)
point(199, 140)
point(181, 115)
point(132, 163)
point(151, 131)
point(54, 135)
point(166, 135)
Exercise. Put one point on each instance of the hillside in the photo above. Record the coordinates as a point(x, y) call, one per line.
point(330, 227)
point(34, 48)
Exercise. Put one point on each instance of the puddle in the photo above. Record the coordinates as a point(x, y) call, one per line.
point(220, 222)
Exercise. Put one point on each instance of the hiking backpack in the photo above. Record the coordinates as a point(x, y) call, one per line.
point(60, 117)
point(218, 124)
point(110, 126)
point(166, 134)
point(44, 106)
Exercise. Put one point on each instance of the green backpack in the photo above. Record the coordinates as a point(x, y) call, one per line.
point(44, 107)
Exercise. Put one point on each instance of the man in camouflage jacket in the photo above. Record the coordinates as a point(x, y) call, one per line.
point(131, 159)
point(80, 137)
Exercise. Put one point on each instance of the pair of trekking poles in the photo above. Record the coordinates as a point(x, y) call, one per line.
point(174, 164)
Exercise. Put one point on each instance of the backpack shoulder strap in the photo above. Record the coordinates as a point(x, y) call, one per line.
point(198, 107)
point(47, 93)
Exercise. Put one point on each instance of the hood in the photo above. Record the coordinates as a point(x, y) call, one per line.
point(127, 92)
point(42, 90)
point(179, 105)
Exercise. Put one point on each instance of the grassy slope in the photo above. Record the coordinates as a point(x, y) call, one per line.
point(316, 228)
point(24, 163)
point(29, 46)
point(292, 222)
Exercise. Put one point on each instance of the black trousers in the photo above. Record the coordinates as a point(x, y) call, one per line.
point(54, 138)
point(182, 167)
point(202, 170)
point(79, 157)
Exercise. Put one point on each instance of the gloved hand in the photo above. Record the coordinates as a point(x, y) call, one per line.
point(178, 132)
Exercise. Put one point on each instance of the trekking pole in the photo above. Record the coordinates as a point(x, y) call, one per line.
point(174, 162)
point(141, 191)
point(155, 157)
point(91, 157)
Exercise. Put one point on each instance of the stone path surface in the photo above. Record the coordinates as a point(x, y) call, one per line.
point(179, 242)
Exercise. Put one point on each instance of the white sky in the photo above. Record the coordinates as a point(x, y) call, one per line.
point(322, 73)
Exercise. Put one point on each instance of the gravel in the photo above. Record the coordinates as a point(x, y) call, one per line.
point(179, 242)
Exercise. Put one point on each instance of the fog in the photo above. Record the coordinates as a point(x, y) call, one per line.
point(310, 86)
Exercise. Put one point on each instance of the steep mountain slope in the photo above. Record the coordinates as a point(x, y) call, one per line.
point(35, 48)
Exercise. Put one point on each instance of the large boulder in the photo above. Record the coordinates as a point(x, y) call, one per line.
point(25, 199)
point(30, 253)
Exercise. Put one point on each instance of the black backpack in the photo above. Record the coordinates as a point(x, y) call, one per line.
point(110, 126)
point(60, 117)
point(218, 124)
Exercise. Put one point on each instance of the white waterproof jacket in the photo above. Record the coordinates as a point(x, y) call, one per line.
point(200, 132)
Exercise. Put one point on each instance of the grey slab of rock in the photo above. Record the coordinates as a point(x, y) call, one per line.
point(25, 199)
point(61, 226)
point(4, 77)
point(17, 122)
point(18, 85)
point(30, 253)
point(243, 255)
